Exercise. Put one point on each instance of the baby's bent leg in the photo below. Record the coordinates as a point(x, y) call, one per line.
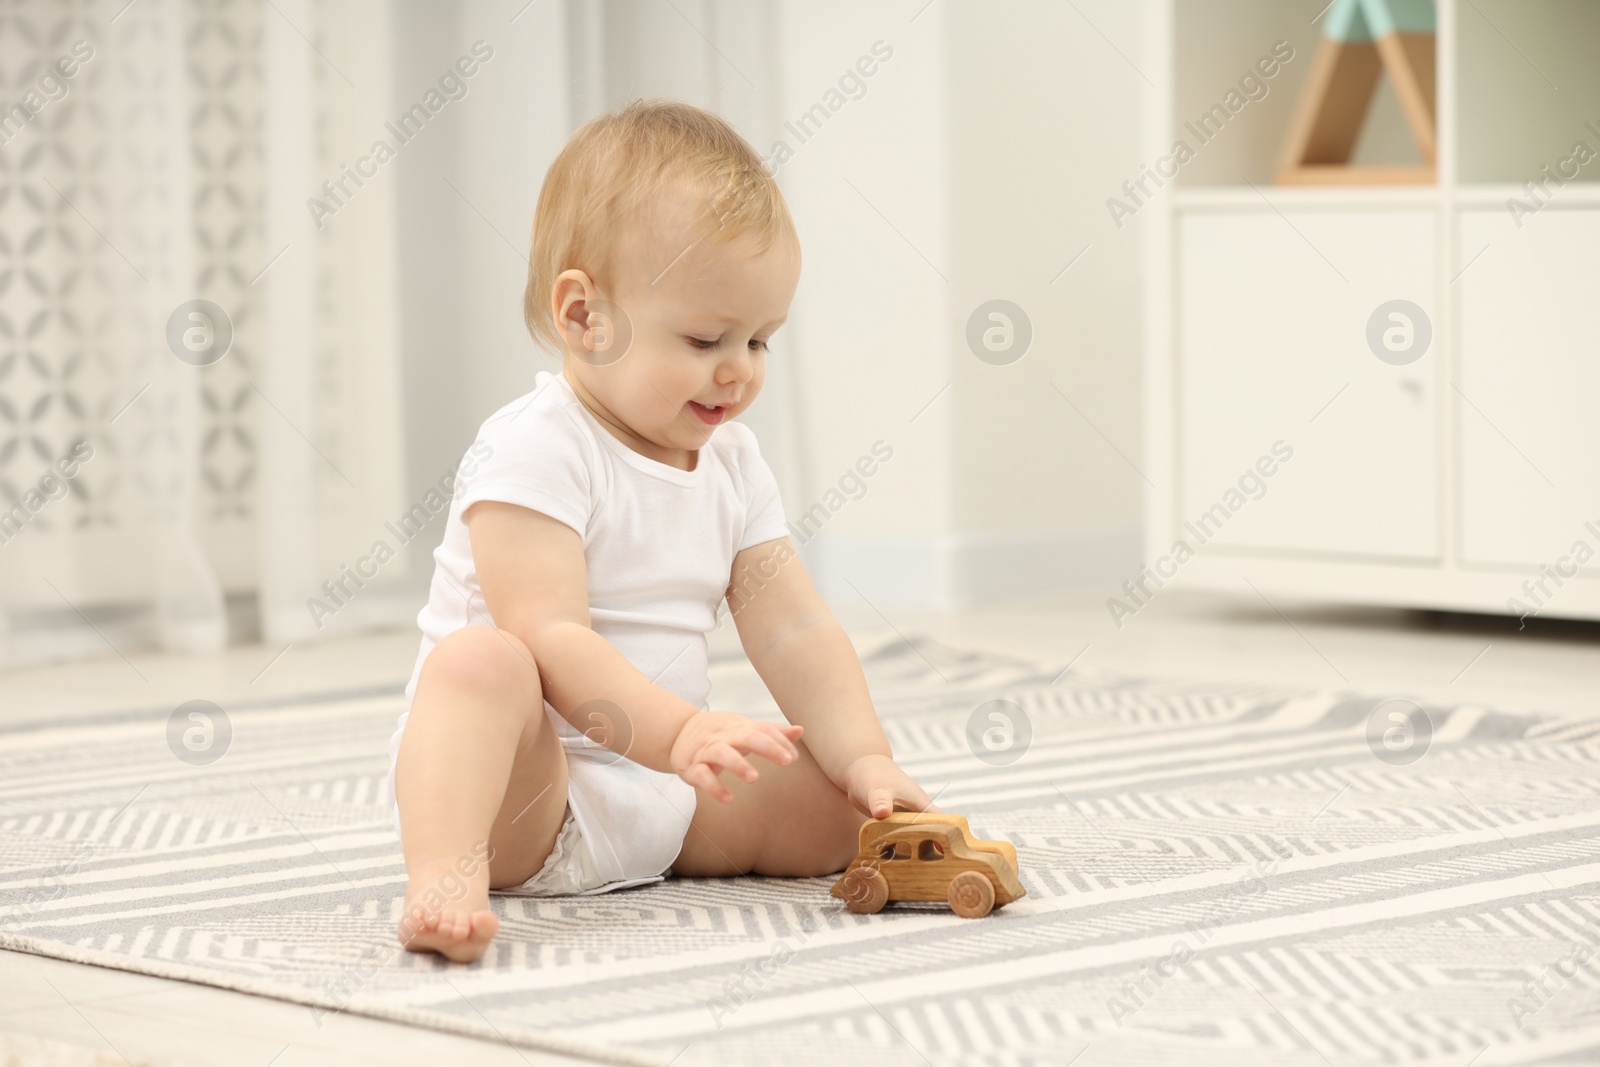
point(481, 782)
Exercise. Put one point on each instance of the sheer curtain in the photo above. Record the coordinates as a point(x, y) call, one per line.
point(199, 386)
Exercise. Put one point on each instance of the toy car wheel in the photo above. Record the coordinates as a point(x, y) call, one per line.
point(866, 891)
point(971, 895)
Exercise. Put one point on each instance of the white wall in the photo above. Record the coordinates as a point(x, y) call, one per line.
point(1043, 110)
point(869, 192)
point(464, 253)
point(986, 147)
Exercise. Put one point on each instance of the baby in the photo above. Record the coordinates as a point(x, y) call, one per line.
point(558, 739)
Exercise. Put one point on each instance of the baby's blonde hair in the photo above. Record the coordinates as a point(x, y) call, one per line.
point(617, 164)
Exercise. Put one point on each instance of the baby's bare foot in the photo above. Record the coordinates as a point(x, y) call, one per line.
point(458, 929)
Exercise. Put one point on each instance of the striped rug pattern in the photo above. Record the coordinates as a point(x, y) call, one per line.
point(1216, 873)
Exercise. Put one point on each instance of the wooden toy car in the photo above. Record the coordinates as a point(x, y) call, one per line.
point(920, 855)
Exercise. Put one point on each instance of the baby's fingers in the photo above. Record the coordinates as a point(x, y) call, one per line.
point(704, 776)
point(725, 755)
point(767, 739)
point(791, 732)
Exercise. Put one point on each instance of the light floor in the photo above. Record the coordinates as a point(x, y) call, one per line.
point(1552, 665)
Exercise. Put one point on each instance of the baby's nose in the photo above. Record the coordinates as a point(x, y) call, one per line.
point(738, 369)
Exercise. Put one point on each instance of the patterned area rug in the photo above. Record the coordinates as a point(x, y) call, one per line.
point(1219, 873)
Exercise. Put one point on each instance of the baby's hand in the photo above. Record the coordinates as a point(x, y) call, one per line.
point(713, 741)
point(877, 786)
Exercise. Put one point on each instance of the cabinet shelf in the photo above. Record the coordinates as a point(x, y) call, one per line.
point(1266, 197)
point(1517, 82)
point(1525, 87)
point(1573, 194)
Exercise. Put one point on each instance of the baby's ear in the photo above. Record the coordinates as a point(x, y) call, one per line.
point(570, 297)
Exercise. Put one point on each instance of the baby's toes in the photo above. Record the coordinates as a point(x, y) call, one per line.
point(469, 935)
point(461, 925)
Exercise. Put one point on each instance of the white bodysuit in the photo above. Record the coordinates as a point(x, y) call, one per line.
point(659, 544)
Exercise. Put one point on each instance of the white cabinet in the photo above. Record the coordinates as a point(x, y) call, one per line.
point(1468, 478)
point(1272, 322)
point(1529, 385)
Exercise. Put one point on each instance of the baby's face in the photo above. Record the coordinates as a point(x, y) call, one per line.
point(700, 322)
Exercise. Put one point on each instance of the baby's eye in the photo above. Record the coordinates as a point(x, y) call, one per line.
point(701, 342)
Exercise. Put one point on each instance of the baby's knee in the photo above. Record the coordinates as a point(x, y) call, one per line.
point(487, 660)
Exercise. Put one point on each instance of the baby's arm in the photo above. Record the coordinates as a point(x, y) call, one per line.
point(811, 668)
point(534, 578)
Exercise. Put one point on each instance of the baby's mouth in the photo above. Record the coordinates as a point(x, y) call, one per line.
point(707, 415)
